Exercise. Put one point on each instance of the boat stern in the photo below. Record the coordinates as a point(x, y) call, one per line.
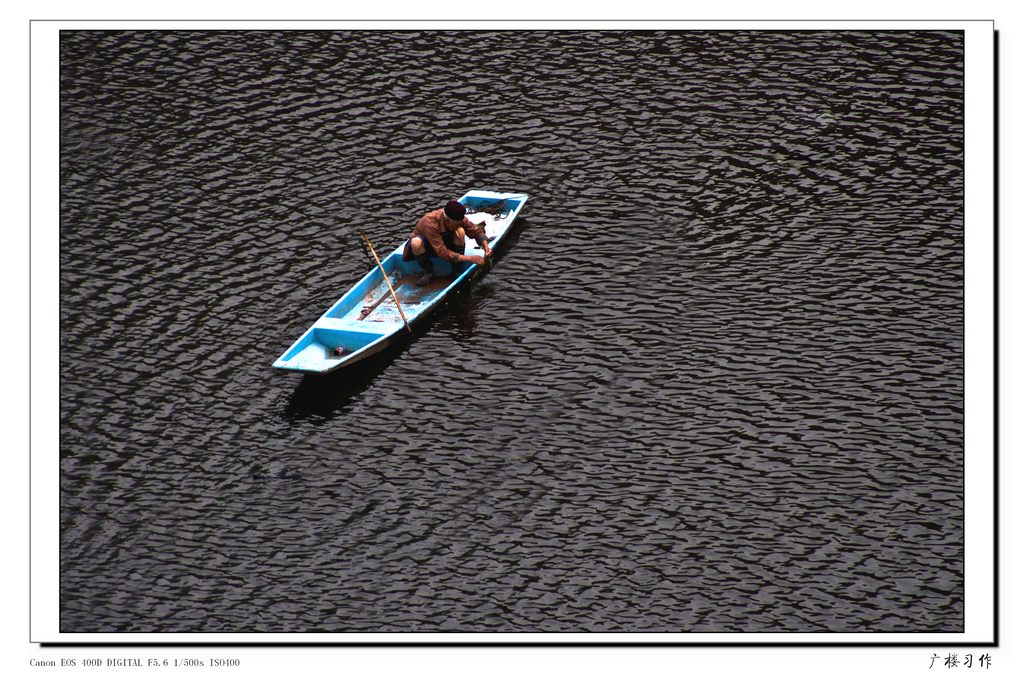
point(323, 349)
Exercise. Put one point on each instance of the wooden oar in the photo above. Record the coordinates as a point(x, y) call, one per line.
point(386, 280)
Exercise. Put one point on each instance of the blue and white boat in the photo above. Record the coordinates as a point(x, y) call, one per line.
point(366, 320)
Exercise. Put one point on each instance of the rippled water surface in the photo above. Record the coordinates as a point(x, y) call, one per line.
point(714, 383)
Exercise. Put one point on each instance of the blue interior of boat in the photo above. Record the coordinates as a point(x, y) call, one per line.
point(350, 340)
point(477, 203)
point(370, 281)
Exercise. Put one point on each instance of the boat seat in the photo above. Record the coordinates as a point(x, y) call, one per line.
point(357, 325)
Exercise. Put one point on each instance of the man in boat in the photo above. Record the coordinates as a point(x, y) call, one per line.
point(442, 233)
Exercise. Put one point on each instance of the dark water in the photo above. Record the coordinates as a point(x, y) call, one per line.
point(714, 385)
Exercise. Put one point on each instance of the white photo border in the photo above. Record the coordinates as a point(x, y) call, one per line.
point(980, 442)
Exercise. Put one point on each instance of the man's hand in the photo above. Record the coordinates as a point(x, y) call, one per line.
point(478, 260)
point(487, 248)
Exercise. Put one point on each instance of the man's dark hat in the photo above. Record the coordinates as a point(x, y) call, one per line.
point(454, 210)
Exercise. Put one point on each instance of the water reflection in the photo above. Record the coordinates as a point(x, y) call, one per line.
point(326, 395)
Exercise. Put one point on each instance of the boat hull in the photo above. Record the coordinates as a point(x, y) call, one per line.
point(366, 321)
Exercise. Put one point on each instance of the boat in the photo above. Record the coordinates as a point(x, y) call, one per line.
point(366, 320)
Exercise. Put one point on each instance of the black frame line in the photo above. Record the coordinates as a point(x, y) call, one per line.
point(577, 644)
point(537, 644)
point(995, 336)
point(575, 21)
